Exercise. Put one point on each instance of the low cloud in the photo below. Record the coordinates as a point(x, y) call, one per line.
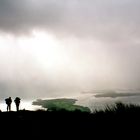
point(116, 95)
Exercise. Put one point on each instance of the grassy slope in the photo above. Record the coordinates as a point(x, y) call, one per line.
point(118, 120)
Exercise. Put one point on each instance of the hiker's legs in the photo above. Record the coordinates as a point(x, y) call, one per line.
point(9, 107)
point(17, 106)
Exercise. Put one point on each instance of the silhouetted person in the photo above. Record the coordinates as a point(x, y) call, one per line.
point(17, 102)
point(8, 102)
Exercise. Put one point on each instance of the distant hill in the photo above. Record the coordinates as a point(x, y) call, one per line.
point(61, 104)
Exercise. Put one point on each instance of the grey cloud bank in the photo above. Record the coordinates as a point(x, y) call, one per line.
point(110, 19)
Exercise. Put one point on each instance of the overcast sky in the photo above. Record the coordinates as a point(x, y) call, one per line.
point(52, 48)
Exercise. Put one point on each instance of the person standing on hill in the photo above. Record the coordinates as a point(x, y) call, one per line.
point(17, 102)
point(8, 102)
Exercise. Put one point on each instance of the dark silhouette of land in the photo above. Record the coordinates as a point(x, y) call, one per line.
point(119, 120)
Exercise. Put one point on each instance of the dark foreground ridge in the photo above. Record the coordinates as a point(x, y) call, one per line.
point(118, 120)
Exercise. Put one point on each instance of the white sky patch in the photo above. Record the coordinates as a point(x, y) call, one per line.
point(44, 65)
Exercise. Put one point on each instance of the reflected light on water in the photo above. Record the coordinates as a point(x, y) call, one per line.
point(27, 105)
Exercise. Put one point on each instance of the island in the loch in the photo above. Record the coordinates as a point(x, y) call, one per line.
point(62, 104)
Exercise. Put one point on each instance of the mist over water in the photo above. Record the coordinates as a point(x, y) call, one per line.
point(27, 105)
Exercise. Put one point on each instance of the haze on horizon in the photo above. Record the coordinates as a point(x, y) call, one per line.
point(52, 48)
